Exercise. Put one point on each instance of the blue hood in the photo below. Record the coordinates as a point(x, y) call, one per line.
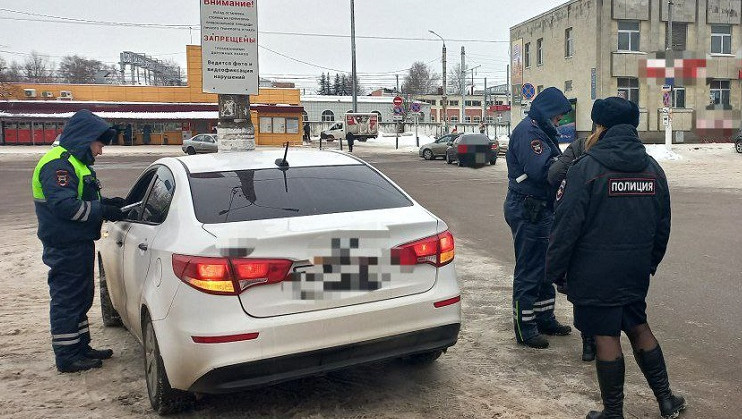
point(548, 104)
point(81, 130)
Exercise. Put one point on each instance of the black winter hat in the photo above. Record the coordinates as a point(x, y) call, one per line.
point(614, 111)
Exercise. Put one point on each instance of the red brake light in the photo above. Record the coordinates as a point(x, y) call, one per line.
point(437, 250)
point(225, 276)
point(461, 149)
point(494, 146)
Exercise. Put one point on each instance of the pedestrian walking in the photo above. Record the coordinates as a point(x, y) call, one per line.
point(70, 212)
point(610, 233)
point(528, 211)
point(307, 133)
point(557, 173)
point(350, 138)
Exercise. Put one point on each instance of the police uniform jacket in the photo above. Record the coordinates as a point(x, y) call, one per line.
point(69, 208)
point(612, 222)
point(534, 145)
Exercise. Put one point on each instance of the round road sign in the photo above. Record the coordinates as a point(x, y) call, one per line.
point(397, 101)
point(528, 91)
point(415, 107)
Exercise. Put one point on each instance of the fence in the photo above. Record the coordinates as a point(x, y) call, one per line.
point(430, 129)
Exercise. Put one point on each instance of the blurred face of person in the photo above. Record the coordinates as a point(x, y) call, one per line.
point(96, 148)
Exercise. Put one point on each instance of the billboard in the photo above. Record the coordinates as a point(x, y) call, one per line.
point(516, 69)
point(229, 46)
point(567, 128)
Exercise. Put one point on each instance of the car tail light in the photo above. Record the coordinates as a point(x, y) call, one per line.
point(494, 146)
point(461, 149)
point(437, 250)
point(228, 276)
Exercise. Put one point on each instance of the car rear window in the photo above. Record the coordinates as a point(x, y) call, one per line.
point(474, 139)
point(244, 195)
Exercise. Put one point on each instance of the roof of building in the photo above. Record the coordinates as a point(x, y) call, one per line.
point(552, 10)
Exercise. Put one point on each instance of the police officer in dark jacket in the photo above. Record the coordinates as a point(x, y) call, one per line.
point(528, 211)
point(610, 233)
point(70, 212)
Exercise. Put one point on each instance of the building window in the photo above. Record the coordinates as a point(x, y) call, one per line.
point(467, 119)
point(628, 88)
point(305, 116)
point(477, 119)
point(628, 35)
point(431, 101)
point(720, 92)
point(490, 119)
point(540, 51)
point(678, 97)
point(679, 36)
point(721, 39)
point(527, 54)
point(569, 43)
point(378, 114)
point(476, 103)
point(328, 116)
point(453, 103)
point(453, 119)
point(568, 85)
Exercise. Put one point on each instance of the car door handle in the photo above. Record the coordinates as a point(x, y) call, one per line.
point(143, 246)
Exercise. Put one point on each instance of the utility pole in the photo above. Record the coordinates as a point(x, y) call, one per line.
point(353, 52)
point(507, 96)
point(670, 60)
point(484, 108)
point(462, 78)
point(397, 89)
point(444, 103)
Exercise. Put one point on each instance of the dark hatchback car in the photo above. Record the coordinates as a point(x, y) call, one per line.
point(472, 150)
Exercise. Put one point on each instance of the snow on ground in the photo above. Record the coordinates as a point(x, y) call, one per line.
point(660, 152)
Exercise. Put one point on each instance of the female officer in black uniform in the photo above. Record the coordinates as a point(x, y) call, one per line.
point(610, 232)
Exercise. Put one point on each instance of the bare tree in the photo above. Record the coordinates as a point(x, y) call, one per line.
point(419, 80)
point(456, 79)
point(76, 69)
point(9, 72)
point(38, 68)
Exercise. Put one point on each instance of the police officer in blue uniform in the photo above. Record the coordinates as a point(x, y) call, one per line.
point(70, 212)
point(528, 211)
point(610, 233)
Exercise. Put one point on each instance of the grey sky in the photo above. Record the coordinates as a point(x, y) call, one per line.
point(377, 59)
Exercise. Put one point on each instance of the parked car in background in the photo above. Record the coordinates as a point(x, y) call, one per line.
point(738, 142)
point(242, 286)
point(437, 148)
point(472, 150)
point(362, 125)
point(201, 143)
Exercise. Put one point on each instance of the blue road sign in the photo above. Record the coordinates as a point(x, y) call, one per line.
point(415, 107)
point(528, 91)
point(398, 110)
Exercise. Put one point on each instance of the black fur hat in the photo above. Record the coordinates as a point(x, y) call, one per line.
point(614, 111)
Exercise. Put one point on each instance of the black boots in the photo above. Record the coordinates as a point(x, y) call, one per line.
point(554, 329)
point(537, 342)
point(588, 348)
point(610, 379)
point(97, 353)
point(652, 364)
point(80, 364)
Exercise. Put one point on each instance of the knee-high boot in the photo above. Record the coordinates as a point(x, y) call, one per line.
point(611, 379)
point(652, 364)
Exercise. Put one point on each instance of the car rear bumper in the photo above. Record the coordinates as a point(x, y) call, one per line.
point(300, 344)
point(275, 370)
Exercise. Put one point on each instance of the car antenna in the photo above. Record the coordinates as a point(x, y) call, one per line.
point(282, 163)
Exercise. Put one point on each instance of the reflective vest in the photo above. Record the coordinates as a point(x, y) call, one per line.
point(81, 170)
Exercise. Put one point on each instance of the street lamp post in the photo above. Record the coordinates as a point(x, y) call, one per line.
point(354, 75)
point(445, 93)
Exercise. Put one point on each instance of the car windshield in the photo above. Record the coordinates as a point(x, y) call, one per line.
point(244, 195)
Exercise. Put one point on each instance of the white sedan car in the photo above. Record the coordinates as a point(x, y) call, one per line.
point(235, 270)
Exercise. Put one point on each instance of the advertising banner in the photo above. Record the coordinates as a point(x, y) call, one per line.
point(516, 69)
point(567, 128)
point(229, 46)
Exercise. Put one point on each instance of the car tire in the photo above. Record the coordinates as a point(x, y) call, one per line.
point(425, 358)
point(428, 154)
point(738, 146)
point(163, 398)
point(493, 161)
point(460, 163)
point(363, 140)
point(330, 138)
point(190, 151)
point(448, 159)
point(111, 317)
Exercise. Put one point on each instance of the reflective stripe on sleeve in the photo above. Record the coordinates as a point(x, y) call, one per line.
point(79, 212)
point(88, 209)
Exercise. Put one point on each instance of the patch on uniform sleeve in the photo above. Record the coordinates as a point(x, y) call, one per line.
point(63, 178)
point(537, 147)
point(560, 191)
point(632, 187)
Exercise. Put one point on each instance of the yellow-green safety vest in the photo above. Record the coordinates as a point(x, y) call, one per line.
point(81, 170)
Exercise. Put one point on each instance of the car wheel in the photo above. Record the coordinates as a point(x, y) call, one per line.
point(191, 151)
point(493, 161)
point(460, 163)
point(448, 159)
point(110, 316)
point(363, 140)
point(330, 138)
point(428, 154)
point(424, 358)
point(162, 397)
point(738, 146)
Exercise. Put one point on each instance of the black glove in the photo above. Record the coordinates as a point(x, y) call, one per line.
point(116, 202)
point(112, 213)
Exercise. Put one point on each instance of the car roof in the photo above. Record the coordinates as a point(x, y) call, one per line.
point(474, 139)
point(264, 159)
